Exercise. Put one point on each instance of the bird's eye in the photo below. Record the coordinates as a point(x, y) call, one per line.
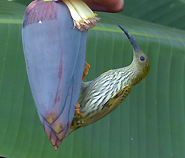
point(142, 58)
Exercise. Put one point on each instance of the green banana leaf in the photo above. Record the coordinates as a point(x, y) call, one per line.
point(164, 12)
point(150, 123)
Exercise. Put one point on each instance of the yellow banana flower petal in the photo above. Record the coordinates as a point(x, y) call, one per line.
point(83, 16)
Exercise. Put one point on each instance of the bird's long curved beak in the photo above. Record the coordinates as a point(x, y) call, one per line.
point(131, 39)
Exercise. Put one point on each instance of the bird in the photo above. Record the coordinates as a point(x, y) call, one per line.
point(102, 95)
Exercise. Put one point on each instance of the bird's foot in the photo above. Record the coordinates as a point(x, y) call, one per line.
point(87, 66)
point(77, 110)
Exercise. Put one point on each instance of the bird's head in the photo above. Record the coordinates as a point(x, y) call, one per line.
point(140, 61)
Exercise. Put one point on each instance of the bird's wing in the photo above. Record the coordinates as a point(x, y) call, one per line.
point(111, 104)
point(117, 99)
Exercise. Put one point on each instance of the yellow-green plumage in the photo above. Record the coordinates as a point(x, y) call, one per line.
point(102, 95)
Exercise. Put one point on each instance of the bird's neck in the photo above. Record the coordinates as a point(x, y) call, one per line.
point(133, 74)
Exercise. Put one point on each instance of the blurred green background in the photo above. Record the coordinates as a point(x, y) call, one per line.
point(150, 123)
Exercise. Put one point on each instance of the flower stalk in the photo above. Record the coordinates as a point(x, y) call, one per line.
point(83, 16)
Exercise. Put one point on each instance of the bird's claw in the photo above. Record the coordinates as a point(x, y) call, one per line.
point(87, 66)
point(77, 110)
